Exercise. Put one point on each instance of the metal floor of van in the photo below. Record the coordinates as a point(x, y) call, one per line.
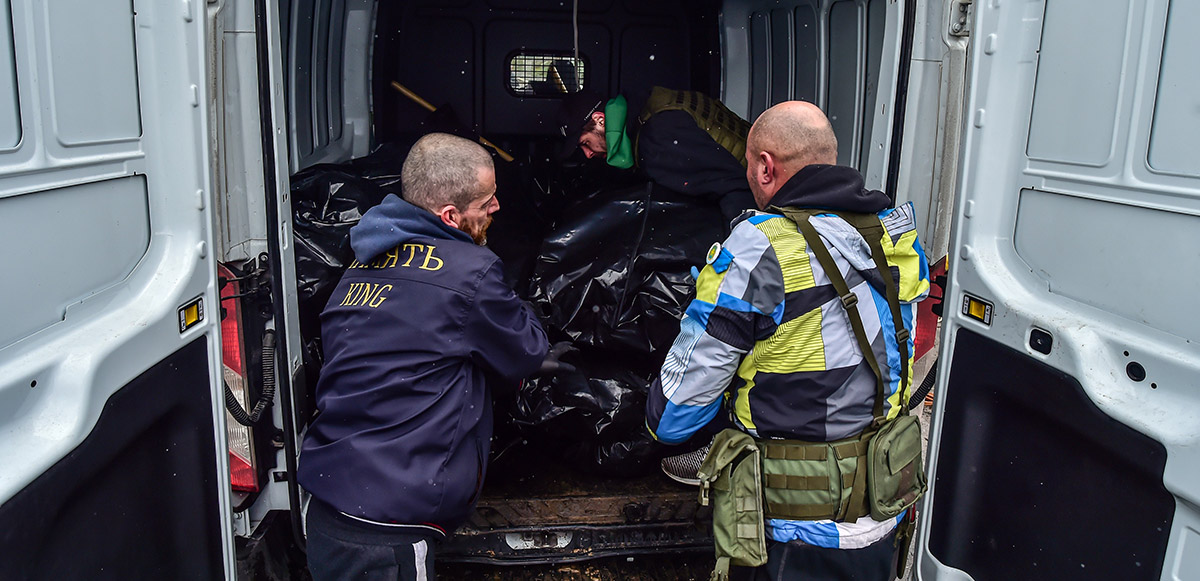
point(642, 568)
point(536, 508)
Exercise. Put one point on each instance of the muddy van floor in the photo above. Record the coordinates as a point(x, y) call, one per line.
point(528, 486)
point(537, 509)
point(695, 565)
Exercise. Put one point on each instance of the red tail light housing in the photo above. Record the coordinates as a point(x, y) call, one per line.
point(243, 469)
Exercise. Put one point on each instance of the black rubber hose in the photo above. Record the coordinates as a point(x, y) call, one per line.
point(235, 408)
point(268, 392)
point(926, 385)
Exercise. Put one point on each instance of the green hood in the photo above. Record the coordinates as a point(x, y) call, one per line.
point(620, 150)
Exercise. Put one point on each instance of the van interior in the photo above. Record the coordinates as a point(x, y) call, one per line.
point(364, 80)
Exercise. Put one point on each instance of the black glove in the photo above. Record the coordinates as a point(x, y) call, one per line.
point(552, 363)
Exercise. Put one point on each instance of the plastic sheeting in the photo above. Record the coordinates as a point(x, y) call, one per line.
point(614, 277)
point(615, 273)
point(328, 200)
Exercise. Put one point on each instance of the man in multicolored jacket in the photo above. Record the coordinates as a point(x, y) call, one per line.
point(768, 342)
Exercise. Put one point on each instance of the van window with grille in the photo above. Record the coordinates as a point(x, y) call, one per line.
point(545, 74)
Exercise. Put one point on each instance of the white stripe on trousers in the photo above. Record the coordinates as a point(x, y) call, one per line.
point(420, 552)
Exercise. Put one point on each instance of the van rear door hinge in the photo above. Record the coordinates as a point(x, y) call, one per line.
point(960, 17)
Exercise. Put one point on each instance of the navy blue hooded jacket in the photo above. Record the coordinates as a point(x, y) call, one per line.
point(417, 334)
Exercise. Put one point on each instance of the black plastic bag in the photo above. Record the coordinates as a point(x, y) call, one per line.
point(615, 272)
point(614, 277)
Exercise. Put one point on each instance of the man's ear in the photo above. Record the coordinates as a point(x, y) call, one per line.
point(598, 117)
point(450, 215)
point(767, 172)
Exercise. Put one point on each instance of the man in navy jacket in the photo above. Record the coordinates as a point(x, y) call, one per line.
point(417, 335)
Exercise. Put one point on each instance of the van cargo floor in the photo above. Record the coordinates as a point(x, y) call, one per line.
point(527, 487)
point(537, 510)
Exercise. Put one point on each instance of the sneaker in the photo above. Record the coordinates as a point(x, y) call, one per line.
point(683, 468)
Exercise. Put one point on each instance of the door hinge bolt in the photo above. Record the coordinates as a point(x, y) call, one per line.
point(960, 24)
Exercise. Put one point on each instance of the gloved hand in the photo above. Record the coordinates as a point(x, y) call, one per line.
point(552, 363)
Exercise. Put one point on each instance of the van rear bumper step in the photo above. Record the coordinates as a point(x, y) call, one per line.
point(540, 545)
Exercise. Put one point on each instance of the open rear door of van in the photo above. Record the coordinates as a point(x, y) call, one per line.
point(1066, 434)
point(112, 445)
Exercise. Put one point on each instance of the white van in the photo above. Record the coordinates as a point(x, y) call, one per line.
point(149, 283)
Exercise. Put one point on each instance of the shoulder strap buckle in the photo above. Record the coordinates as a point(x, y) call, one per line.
point(849, 300)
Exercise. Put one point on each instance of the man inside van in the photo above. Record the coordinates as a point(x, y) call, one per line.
point(771, 342)
point(683, 140)
point(418, 335)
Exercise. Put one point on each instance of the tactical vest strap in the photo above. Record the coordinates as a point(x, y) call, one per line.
point(801, 511)
point(857, 505)
point(712, 116)
point(852, 449)
point(872, 231)
point(789, 482)
point(790, 452)
point(849, 300)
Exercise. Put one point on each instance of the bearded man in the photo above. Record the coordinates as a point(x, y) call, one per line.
point(418, 335)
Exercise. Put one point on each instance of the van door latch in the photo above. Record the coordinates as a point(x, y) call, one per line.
point(960, 17)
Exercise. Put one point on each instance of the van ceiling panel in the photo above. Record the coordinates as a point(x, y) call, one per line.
point(1176, 109)
point(94, 84)
point(10, 104)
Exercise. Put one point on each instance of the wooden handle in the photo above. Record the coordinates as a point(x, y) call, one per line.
point(422, 102)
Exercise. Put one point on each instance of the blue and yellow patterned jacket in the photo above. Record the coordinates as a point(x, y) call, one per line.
point(767, 338)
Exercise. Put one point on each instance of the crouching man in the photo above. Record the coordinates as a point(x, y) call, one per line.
point(800, 333)
point(417, 336)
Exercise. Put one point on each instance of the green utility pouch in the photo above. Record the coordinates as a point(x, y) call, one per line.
point(895, 472)
point(815, 480)
point(731, 480)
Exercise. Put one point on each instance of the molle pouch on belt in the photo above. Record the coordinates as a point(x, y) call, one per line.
point(731, 479)
point(896, 473)
point(815, 480)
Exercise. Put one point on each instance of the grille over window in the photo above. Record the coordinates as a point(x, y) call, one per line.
point(545, 74)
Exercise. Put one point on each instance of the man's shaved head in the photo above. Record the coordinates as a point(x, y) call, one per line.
point(784, 140)
point(796, 133)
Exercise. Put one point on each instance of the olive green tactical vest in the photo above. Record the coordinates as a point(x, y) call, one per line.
point(723, 125)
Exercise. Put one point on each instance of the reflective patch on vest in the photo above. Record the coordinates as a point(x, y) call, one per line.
point(722, 261)
point(713, 251)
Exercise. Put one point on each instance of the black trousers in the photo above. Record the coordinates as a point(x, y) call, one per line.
point(341, 548)
point(798, 561)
